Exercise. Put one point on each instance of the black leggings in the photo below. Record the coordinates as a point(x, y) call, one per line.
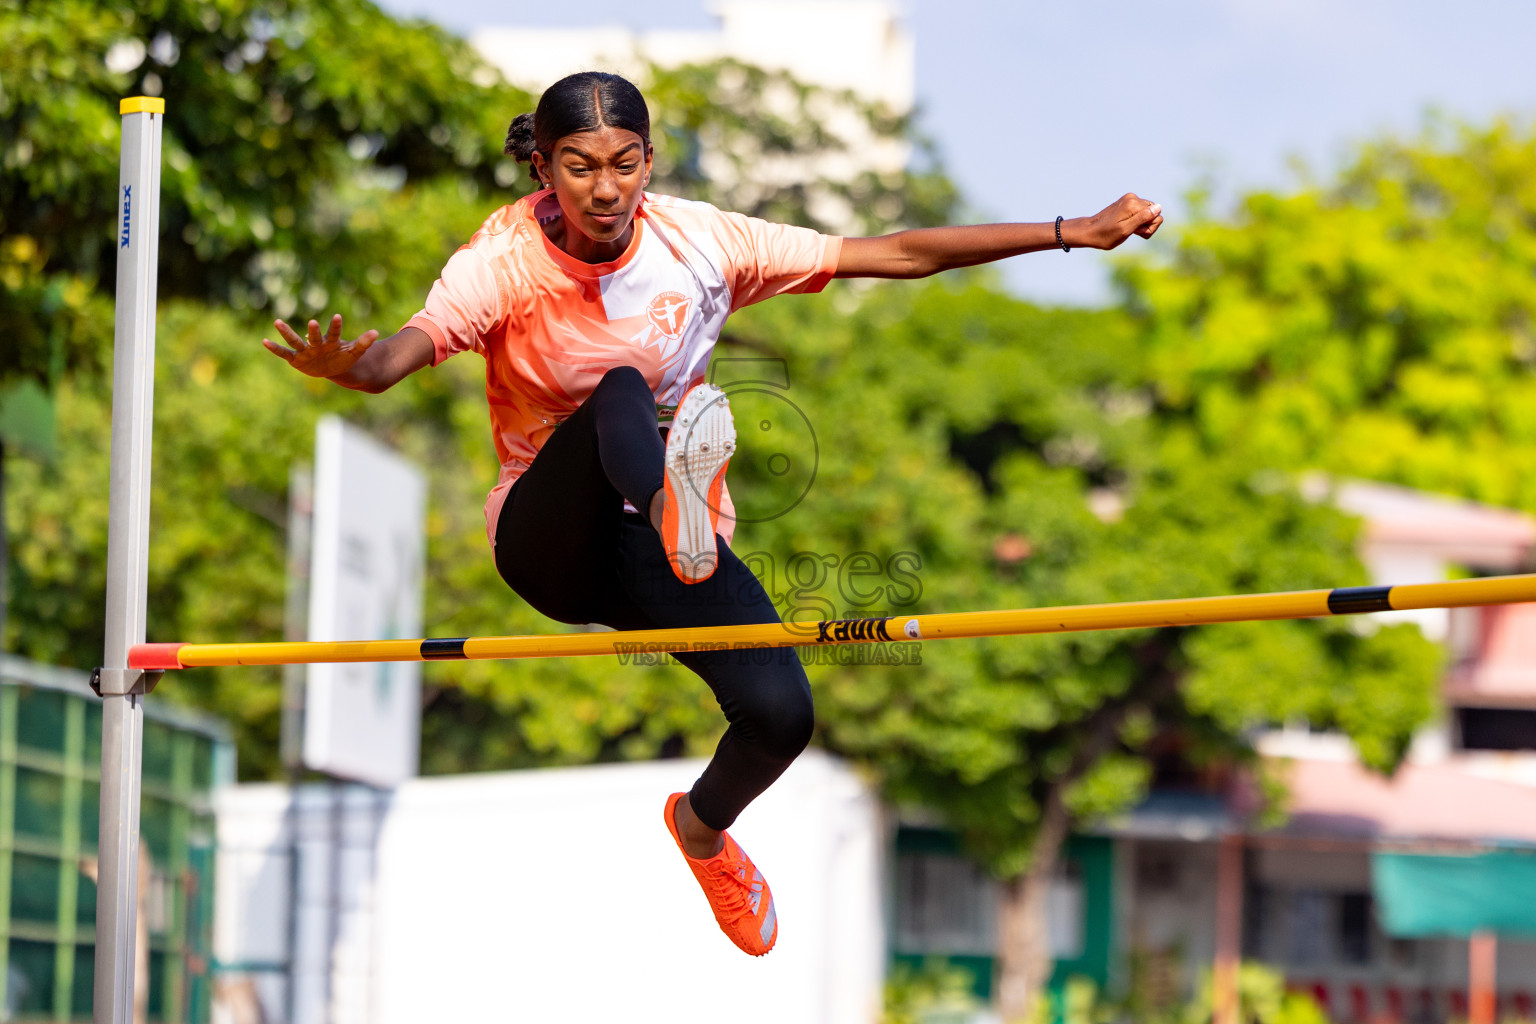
point(566, 545)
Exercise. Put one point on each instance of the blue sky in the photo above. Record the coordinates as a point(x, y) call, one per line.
point(1046, 108)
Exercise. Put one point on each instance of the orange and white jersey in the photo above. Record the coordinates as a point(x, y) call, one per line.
point(549, 326)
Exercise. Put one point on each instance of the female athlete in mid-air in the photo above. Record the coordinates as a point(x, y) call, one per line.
point(596, 305)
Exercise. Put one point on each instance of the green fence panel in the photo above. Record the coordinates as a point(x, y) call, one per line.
point(34, 888)
point(30, 992)
point(40, 721)
point(50, 752)
point(82, 993)
point(39, 805)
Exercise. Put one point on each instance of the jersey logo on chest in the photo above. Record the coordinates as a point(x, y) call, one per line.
point(668, 311)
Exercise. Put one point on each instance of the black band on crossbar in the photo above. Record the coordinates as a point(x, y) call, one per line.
point(1355, 600)
point(443, 650)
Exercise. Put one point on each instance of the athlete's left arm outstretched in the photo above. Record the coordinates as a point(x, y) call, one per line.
point(924, 251)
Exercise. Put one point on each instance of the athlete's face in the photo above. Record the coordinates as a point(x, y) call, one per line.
point(599, 177)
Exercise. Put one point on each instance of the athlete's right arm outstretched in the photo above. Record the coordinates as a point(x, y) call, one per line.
point(365, 364)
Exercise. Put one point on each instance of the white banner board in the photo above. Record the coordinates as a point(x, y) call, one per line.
point(363, 721)
point(431, 876)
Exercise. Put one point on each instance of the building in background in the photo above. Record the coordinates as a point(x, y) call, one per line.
point(50, 794)
point(1350, 899)
point(407, 887)
point(1322, 895)
point(450, 896)
point(855, 47)
point(546, 895)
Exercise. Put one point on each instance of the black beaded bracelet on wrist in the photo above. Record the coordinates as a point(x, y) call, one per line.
point(1064, 246)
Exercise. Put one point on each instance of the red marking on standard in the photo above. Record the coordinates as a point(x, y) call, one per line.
point(154, 657)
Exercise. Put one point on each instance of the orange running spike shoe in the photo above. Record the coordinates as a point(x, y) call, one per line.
point(736, 890)
point(699, 447)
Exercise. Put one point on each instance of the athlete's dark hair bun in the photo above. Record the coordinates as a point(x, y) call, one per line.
point(582, 102)
point(520, 144)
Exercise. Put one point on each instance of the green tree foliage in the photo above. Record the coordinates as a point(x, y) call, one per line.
point(318, 157)
point(980, 452)
point(1017, 454)
point(982, 434)
point(1382, 325)
point(315, 155)
point(287, 124)
point(1262, 998)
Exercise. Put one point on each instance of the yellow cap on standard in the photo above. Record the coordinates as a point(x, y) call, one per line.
point(142, 105)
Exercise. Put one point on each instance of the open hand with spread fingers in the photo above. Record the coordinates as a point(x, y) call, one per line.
point(319, 355)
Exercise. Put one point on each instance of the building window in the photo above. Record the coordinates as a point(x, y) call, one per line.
point(1496, 728)
point(1308, 928)
point(1065, 912)
point(1354, 927)
point(945, 904)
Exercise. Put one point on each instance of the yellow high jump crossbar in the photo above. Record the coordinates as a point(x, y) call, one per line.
point(130, 667)
point(1197, 611)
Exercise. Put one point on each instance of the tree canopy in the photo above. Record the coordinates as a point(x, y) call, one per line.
point(966, 450)
point(1378, 325)
point(318, 157)
point(1012, 456)
point(1015, 452)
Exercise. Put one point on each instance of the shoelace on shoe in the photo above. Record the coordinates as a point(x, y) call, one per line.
point(735, 893)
